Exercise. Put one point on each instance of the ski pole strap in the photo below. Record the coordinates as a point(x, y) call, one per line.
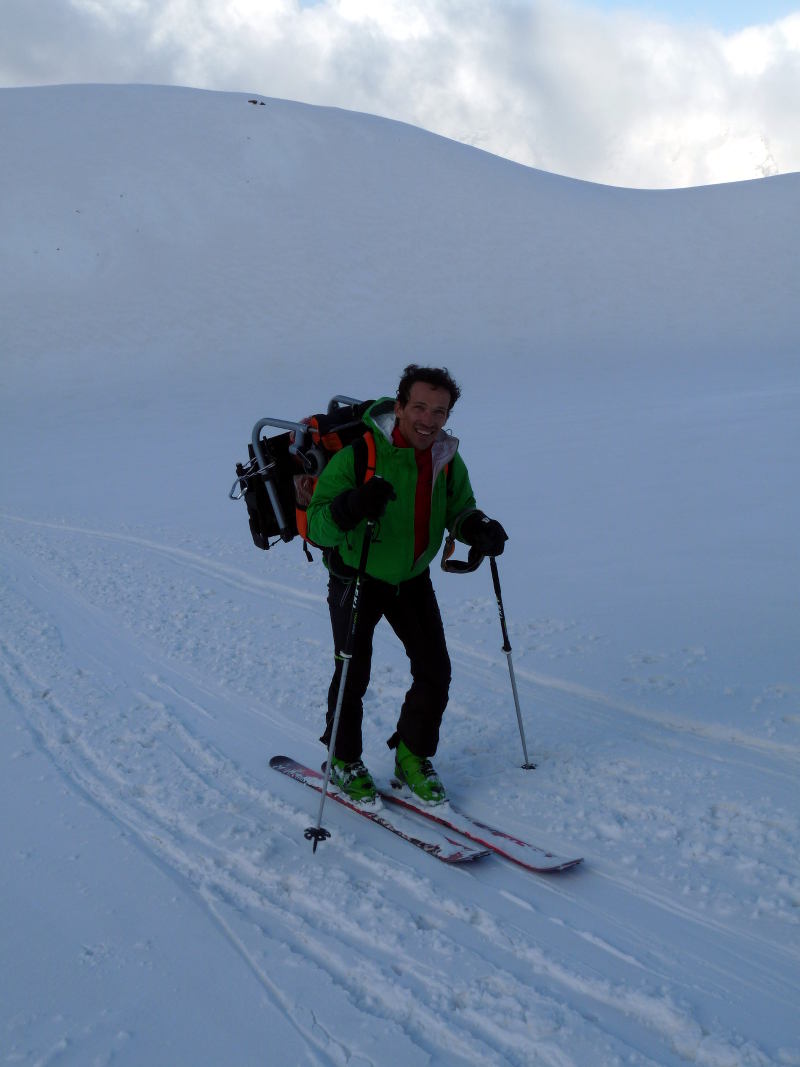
point(459, 566)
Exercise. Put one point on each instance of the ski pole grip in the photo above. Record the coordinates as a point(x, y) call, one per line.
point(499, 598)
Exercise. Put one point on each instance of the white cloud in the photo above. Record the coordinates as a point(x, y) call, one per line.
point(396, 19)
point(610, 97)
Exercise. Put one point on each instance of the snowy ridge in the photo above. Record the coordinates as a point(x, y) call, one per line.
point(180, 264)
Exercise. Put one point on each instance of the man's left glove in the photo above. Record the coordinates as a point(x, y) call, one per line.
point(484, 534)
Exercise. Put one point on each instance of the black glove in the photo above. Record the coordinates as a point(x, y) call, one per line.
point(367, 502)
point(484, 534)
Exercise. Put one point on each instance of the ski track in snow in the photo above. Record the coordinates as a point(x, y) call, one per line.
point(135, 667)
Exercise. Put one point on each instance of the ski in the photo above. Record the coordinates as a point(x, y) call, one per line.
point(523, 853)
point(434, 842)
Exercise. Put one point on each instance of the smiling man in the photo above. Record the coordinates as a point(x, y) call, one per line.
point(414, 485)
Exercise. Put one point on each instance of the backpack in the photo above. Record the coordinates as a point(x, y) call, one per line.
point(279, 479)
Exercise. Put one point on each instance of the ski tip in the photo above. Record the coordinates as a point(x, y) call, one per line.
point(567, 865)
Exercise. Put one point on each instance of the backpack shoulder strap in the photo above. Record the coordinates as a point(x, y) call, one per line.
point(364, 457)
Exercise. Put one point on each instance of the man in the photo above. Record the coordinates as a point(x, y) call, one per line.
point(421, 488)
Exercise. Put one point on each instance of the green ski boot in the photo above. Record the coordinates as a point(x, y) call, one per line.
point(418, 774)
point(354, 780)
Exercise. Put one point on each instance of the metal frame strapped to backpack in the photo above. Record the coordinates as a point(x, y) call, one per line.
point(279, 478)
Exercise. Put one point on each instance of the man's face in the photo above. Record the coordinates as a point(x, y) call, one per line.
point(424, 415)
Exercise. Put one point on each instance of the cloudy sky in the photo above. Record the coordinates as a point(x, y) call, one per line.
point(648, 93)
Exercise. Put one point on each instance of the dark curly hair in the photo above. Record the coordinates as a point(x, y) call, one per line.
point(439, 377)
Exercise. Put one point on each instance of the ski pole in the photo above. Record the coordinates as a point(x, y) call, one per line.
point(527, 765)
point(318, 833)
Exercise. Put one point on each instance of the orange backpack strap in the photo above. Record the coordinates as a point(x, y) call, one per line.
point(364, 460)
point(364, 457)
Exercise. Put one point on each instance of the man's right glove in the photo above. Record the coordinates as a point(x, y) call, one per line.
point(367, 502)
point(484, 534)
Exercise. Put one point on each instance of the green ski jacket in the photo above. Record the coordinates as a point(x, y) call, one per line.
point(391, 554)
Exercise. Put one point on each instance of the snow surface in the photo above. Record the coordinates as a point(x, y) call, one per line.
point(176, 264)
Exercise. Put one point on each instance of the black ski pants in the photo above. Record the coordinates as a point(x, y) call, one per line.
point(412, 611)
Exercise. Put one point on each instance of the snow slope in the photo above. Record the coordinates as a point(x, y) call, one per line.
point(176, 264)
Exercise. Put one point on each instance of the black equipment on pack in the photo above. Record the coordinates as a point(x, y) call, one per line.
point(279, 478)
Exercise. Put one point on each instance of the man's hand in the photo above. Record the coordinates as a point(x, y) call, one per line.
point(367, 502)
point(484, 534)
